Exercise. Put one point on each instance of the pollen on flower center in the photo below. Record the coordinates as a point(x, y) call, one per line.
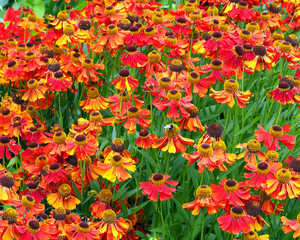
point(4, 140)
point(64, 190)
point(245, 35)
point(263, 168)
point(214, 130)
point(283, 175)
point(251, 236)
point(92, 93)
point(105, 196)
point(96, 117)
point(176, 65)
point(203, 192)
point(265, 16)
point(231, 86)
point(87, 63)
point(33, 226)
point(253, 208)
point(62, 15)
point(32, 17)
point(32, 84)
point(112, 29)
point(192, 111)
point(252, 27)
point(133, 112)
point(173, 132)
point(80, 139)
point(110, 10)
point(285, 47)
point(216, 65)
point(237, 212)
point(295, 164)
point(158, 179)
point(253, 146)
point(59, 137)
point(83, 227)
point(130, 224)
point(11, 215)
point(59, 214)
point(150, 31)
point(205, 150)
point(109, 216)
point(143, 133)
point(272, 156)
point(117, 161)
point(219, 145)
point(154, 57)
point(276, 131)
point(242, 5)
point(41, 158)
point(118, 145)
point(231, 185)
point(193, 77)
point(68, 29)
point(28, 201)
point(164, 82)
point(173, 95)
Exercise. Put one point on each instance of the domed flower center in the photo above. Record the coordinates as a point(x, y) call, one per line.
point(283, 175)
point(62, 15)
point(176, 65)
point(84, 24)
point(68, 30)
point(80, 139)
point(154, 57)
point(143, 133)
point(193, 78)
point(217, 36)
point(12, 64)
point(172, 131)
point(83, 227)
point(214, 130)
point(251, 236)
point(7, 180)
point(245, 35)
point(216, 65)
point(133, 112)
point(283, 85)
point(131, 49)
point(157, 18)
point(203, 192)
point(109, 216)
point(117, 145)
point(276, 131)
point(32, 84)
point(96, 117)
point(59, 214)
point(117, 161)
point(205, 150)
point(28, 201)
point(174, 95)
point(4, 140)
point(231, 86)
point(239, 50)
point(263, 168)
point(219, 145)
point(237, 212)
point(285, 47)
point(242, 5)
point(110, 10)
point(93, 93)
point(158, 179)
point(130, 225)
point(32, 17)
point(64, 190)
point(59, 75)
point(247, 46)
point(112, 29)
point(72, 160)
point(105, 196)
point(32, 185)
point(171, 39)
point(59, 137)
point(253, 208)
point(272, 156)
point(5, 112)
point(33, 226)
point(253, 146)
point(54, 167)
point(150, 31)
point(295, 164)
point(88, 63)
point(259, 50)
point(41, 158)
point(193, 112)
point(164, 82)
point(32, 145)
point(11, 215)
point(265, 16)
point(231, 186)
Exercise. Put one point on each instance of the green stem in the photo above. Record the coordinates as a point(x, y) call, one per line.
point(168, 162)
point(162, 219)
point(192, 38)
point(278, 114)
point(60, 114)
point(202, 228)
point(151, 110)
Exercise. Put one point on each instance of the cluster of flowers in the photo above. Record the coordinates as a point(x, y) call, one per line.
point(44, 64)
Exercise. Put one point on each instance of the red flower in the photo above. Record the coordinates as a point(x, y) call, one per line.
point(94, 101)
point(252, 148)
point(7, 146)
point(235, 221)
point(291, 225)
point(158, 186)
point(242, 13)
point(172, 141)
point(27, 206)
point(125, 82)
point(102, 202)
point(275, 133)
point(82, 231)
point(284, 94)
point(133, 58)
point(119, 103)
point(145, 140)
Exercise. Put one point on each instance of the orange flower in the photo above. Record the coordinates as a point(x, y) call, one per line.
point(230, 91)
point(103, 202)
point(135, 115)
point(282, 185)
point(35, 91)
point(203, 199)
point(88, 72)
point(63, 198)
point(133, 58)
point(291, 225)
point(59, 82)
point(112, 228)
point(10, 224)
point(8, 188)
point(125, 82)
point(175, 142)
point(242, 13)
point(70, 36)
point(235, 221)
point(27, 206)
point(145, 140)
point(261, 60)
point(252, 149)
point(82, 231)
point(94, 102)
point(119, 103)
point(32, 22)
point(7, 146)
point(158, 186)
point(261, 173)
point(115, 167)
point(58, 147)
point(230, 193)
point(82, 145)
point(154, 64)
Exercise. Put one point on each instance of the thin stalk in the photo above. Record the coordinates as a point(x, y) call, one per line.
point(162, 219)
point(202, 228)
point(151, 110)
point(60, 114)
point(168, 162)
point(278, 114)
point(192, 38)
